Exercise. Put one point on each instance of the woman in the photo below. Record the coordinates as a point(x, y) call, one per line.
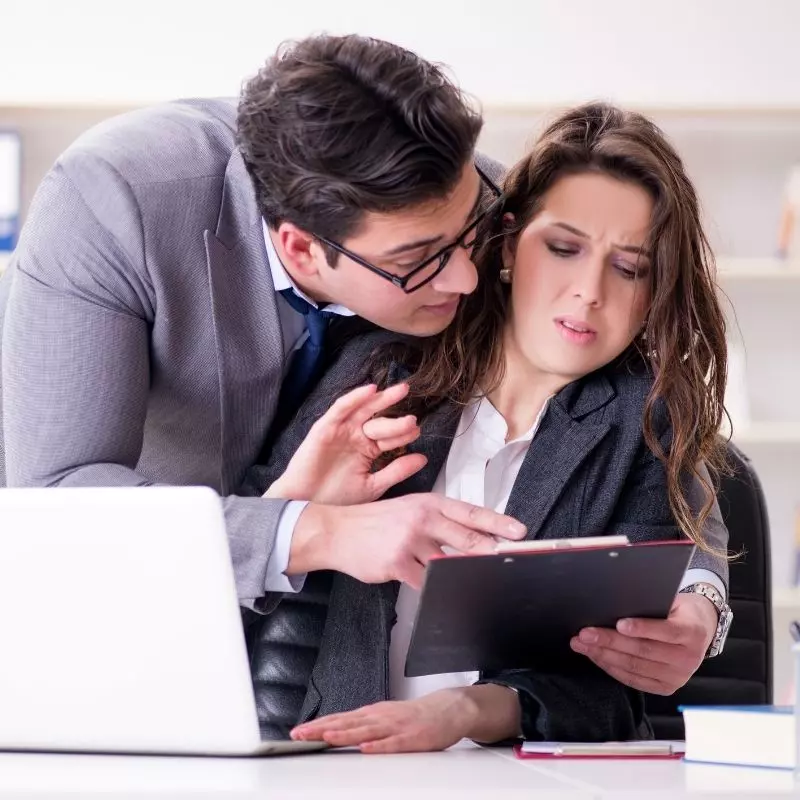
point(576, 390)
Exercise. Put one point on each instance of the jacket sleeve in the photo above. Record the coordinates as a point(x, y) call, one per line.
point(715, 532)
point(76, 359)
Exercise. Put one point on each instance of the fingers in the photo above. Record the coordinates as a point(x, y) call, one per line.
point(397, 471)
point(320, 724)
point(348, 403)
point(645, 649)
point(400, 743)
point(465, 540)
point(635, 680)
point(482, 519)
point(639, 663)
point(389, 433)
point(379, 403)
point(356, 735)
point(658, 630)
point(359, 405)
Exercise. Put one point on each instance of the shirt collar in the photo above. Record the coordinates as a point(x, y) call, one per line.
point(282, 280)
point(491, 421)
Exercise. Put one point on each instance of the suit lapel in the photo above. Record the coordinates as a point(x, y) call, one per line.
point(570, 430)
point(249, 341)
point(438, 429)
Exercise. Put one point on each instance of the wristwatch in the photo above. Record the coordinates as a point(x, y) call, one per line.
point(725, 618)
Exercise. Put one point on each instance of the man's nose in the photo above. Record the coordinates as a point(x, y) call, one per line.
point(459, 275)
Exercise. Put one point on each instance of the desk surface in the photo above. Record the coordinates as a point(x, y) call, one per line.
point(462, 773)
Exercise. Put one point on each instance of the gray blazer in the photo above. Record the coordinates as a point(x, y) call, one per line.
point(588, 471)
point(141, 342)
point(139, 330)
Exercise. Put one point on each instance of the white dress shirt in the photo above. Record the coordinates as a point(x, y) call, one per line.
point(481, 469)
point(295, 333)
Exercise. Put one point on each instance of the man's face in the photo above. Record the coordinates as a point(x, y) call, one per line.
point(397, 243)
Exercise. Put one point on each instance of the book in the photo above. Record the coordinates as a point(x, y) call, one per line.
point(647, 748)
point(498, 611)
point(753, 736)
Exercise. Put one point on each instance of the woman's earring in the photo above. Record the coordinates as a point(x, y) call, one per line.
point(505, 276)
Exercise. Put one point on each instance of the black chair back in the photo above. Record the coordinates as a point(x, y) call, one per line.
point(742, 674)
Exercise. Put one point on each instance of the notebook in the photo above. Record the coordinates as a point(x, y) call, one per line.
point(757, 736)
point(498, 611)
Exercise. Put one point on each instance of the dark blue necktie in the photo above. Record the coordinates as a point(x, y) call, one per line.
point(307, 360)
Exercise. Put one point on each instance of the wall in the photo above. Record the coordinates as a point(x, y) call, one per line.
point(683, 52)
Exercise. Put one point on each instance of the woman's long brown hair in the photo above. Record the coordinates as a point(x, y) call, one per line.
point(684, 335)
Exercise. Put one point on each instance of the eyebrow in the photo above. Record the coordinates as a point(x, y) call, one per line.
point(419, 243)
point(626, 248)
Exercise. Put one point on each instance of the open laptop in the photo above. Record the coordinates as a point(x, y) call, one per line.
point(120, 629)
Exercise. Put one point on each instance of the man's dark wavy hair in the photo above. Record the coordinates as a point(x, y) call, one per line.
point(333, 127)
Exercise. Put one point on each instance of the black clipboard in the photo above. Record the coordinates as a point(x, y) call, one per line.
point(489, 612)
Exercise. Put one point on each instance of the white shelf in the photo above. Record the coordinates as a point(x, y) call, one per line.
point(786, 597)
point(777, 433)
point(758, 269)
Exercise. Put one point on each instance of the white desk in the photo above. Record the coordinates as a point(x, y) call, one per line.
point(463, 773)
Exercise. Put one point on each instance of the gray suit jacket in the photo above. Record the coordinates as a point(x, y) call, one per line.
point(588, 471)
point(139, 330)
point(141, 341)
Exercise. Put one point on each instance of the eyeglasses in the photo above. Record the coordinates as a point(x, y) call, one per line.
point(430, 267)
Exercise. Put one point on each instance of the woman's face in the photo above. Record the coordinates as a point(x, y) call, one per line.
point(580, 277)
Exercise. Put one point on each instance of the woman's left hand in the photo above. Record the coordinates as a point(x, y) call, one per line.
point(654, 655)
point(433, 722)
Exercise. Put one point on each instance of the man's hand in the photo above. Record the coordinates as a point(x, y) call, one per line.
point(393, 539)
point(334, 463)
point(656, 656)
point(435, 722)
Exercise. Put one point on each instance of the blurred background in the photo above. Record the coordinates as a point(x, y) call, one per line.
point(722, 80)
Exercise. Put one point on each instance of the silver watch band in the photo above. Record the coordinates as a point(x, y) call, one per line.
point(724, 615)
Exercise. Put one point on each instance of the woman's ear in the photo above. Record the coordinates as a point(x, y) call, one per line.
point(509, 230)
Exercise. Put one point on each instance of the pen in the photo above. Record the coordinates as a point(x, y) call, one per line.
point(794, 629)
point(640, 748)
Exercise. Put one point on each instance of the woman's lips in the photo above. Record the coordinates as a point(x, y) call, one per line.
point(575, 331)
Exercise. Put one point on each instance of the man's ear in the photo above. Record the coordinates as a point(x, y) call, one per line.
point(298, 249)
point(509, 238)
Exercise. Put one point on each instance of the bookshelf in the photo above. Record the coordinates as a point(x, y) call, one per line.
point(768, 433)
point(736, 270)
point(787, 598)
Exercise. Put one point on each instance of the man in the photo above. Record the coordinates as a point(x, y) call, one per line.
point(163, 312)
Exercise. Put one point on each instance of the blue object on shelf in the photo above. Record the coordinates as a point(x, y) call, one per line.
point(10, 180)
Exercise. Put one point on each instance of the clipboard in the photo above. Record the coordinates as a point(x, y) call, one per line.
point(500, 611)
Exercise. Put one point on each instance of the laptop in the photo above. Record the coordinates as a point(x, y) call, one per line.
point(120, 629)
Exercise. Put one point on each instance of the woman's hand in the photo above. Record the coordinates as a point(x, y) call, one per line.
point(486, 713)
point(654, 655)
point(433, 722)
point(334, 463)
